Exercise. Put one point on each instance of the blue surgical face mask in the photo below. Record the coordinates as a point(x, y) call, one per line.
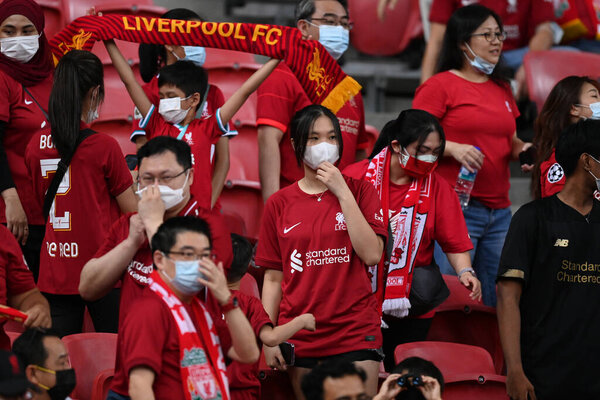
point(595, 107)
point(335, 39)
point(186, 277)
point(479, 63)
point(195, 54)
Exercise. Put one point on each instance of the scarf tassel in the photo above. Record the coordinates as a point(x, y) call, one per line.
point(397, 307)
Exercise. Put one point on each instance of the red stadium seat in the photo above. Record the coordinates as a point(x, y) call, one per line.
point(13, 326)
point(248, 286)
point(243, 155)
point(244, 199)
point(90, 354)
point(12, 336)
point(274, 384)
point(53, 16)
point(545, 68)
point(102, 384)
point(219, 58)
point(460, 319)
point(73, 9)
point(388, 37)
point(468, 370)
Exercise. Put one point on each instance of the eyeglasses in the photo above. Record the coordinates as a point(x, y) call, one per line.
point(489, 36)
point(335, 21)
point(190, 255)
point(148, 180)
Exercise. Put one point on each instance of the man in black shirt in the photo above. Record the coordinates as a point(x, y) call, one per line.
point(549, 281)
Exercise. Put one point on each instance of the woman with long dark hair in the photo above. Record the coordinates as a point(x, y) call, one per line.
point(476, 107)
point(25, 84)
point(94, 190)
point(401, 170)
point(316, 239)
point(570, 100)
point(153, 57)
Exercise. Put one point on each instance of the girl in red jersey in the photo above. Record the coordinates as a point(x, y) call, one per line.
point(400, 168)
point(93, 192)
point(152, 58)
point(570, 100)
point(25, 83)
point(475, 105)
point(316, 239)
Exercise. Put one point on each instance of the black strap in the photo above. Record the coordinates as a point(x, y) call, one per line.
point(63, 166)
point(36, 102)
point(201, 108)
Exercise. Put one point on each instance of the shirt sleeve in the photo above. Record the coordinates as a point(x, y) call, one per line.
point(370, 205)
point(257, 316)
point(541, 11)
point(19, 278)
point(144, 335)
point(450, 229)
point(116, 171)
point(155, 125)
point(268, 252)
point(442, 10)
point(431, 97)
point(520, 244)
point(6, 180)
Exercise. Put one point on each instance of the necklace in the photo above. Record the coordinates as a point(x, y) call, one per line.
point(320, 195)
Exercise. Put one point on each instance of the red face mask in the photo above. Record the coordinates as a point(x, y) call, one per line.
point(417, 167)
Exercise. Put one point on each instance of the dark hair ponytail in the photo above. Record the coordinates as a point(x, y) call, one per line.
point(410, 126)
point(154, 56)
point(77, 72)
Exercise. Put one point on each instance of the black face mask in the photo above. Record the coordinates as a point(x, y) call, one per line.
point(65, 383)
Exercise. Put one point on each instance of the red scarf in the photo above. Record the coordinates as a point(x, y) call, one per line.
point(40, 66)
point(319, 74)
point(203, 370)
point(393, 279)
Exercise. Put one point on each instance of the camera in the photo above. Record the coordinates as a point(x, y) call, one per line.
point(409, 380)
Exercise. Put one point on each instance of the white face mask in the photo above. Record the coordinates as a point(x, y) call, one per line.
point(171, 197)
point(315, 155)
point(479, 63)
point(20, 48)
point(404, 157)
point(335, 39)
point(170, 109)
point(595, 107)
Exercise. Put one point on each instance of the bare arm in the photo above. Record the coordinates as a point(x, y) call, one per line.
point(244, 347)
point(269, 159)
point(271, 297)
point(141, 380)
point(509, 324)
point(432, 50)
point(221, 169)
point(235, 102)
point(279, 334)
point(460, 261)
point(127, 201)
point(99, 275)
point(35, 305)
point(16, 219)
point(135, 90)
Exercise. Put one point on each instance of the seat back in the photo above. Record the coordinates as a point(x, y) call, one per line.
point(248, 286)
point(373, 134)
point(73, 9)
point(474, 386)
point(90, 354)
point(545, 68)
point(53, 16)
point(102, 384)
point(387, 37)
point(450, 358)
point(243, 200)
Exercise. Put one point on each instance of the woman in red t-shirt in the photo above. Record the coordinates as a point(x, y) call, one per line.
point(316, 239)
point(93, 192)
point(568, 102)
point(152, 58)
point(25, 84)
point(476, 107)
point(400, 168)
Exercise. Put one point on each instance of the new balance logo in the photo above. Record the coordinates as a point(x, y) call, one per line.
point(561, 243)
point(296, 261)
point(286, 230)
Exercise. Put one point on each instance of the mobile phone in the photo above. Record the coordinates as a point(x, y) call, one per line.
point(527, 156)
point(287, 351)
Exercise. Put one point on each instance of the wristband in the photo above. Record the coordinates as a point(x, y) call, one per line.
point(231, 304)
point(462, 271)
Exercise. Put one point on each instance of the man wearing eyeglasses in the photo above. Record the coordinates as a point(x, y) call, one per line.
point(165, 175)
point(281, 96)
point(528, 25)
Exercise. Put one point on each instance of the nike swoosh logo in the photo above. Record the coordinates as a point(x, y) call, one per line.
point(28, 102)
point(286, 230)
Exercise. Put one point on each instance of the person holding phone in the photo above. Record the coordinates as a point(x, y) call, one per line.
point(316, 239)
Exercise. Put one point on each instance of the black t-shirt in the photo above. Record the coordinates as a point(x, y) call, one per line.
point(555, 252)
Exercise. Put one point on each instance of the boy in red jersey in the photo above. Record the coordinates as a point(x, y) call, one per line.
point(243, 378)
point(176, 115)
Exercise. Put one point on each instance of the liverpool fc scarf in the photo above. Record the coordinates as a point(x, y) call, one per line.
point(203, 370)
point(393, 281)
point(319, 74)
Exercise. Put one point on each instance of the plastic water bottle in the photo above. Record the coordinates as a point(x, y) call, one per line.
point(464, 185)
